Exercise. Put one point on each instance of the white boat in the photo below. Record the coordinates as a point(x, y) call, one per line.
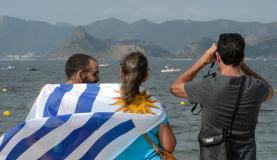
point(103, 65)
point(167, 69)
point(8, 68)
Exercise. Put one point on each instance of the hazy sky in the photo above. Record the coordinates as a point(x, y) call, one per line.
point(80, 12)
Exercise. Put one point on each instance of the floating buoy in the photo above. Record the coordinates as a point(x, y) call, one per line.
point(4, 90)
point(7, 113)
point(182, 103)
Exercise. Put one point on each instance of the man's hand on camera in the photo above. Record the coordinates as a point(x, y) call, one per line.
point(208, 56)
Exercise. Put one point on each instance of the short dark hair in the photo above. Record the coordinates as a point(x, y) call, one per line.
point(231, 48)
point(77, 62)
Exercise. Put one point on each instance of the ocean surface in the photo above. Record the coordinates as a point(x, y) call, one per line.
point(23, 86)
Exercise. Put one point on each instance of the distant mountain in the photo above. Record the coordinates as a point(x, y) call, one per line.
point(81, 42)
point(195, 49)
point(120, 48)
point(111, 28)
point(64, 24)
point(18, 37)
point(174, 35)
point(266, 49)
point(21, 36)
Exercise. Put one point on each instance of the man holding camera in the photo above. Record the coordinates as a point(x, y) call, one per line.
point(218, 96)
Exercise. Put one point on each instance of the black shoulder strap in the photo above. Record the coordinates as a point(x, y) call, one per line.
point(237, 104)
point(194, 107)
point(205, 76)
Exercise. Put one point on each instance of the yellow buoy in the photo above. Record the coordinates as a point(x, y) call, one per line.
point(7, 113)
point(182, 103)
point(4, 90)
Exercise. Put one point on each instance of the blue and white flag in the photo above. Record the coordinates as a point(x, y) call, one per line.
point(80, 121)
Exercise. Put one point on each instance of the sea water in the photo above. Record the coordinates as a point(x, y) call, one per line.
point(22, 86)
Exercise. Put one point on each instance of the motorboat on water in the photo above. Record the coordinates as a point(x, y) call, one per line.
point(32, 69)
point(167, 69)
point(103, 65)
point(8, 68)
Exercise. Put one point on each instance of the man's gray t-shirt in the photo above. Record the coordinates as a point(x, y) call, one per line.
point(218, 97)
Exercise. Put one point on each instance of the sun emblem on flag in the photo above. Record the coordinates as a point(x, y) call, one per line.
point(142, 104)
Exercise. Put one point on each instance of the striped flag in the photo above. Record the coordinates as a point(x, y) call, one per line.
point(77, 121)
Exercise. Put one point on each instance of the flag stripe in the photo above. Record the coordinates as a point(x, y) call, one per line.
point(108, 137)
point(81, 123)
point(28, 129)
point(79, 135)
point(54, 100)
point(8, 136)
point(87, 98)
point(25, 143)
point(54, 137)
point(70, 99)
point(1, 139)
point(38, 106)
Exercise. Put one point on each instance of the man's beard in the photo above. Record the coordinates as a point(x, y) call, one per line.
point(86, 80)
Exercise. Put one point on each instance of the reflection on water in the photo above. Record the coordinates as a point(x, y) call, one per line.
point(23, 86)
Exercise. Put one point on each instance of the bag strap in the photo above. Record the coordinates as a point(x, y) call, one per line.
point(194, 107)
point(237, 105)
point(205, 76)
point(156, 148)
